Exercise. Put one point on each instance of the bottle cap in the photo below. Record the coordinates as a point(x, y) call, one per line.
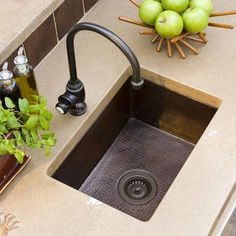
point(5, 74)
point(20, 59)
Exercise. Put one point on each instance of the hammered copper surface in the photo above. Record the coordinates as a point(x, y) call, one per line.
point(171, 112)
point(88, 152)
point(150, 108)
point(138, 146)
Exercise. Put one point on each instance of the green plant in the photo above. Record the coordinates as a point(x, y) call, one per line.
point(27, 126)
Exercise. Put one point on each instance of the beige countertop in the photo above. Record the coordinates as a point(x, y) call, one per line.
point(18, 19)
point(199, 194)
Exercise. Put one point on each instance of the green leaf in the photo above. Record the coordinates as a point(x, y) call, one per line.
point(23, 104)
point(19, 140)
point(51, 141)
point(9, 146)
point(47, 114)
point(33, 108)
point(44, 123)
point(9, 103)
point(2, 115)
point(31, 122)
point(3, 128)
point(43, 101)
point(28, 139)
point(47, 135)
point(12, 123)
point(3, 149)
point(34, 135)
point(19, 156)
point(26, 136)
point(47, 151)
point(35, 98)
point(34, 139)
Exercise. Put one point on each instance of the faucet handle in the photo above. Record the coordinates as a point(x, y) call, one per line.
point(73, 103)
point(61, 109)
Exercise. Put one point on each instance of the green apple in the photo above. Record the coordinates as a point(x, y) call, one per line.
point(169, 24)
point(149, 10)
point(207, 5)
point(195, 19)
point(175, 5)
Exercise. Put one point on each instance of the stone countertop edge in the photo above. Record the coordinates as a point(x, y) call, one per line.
point(226, 213)
point(194, 202)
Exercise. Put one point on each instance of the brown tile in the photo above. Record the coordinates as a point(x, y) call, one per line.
point(10, 60)
point(67, 15)
point(41, 41)
point(89, 4)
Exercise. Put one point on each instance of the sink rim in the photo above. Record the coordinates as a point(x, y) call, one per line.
point(168, 83)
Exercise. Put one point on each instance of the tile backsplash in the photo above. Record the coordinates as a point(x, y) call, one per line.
point(41, 41)
point(88, 4)
point(67, 15)
point(52, 30)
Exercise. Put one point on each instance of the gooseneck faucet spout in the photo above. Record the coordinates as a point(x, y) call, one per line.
point(73, 100)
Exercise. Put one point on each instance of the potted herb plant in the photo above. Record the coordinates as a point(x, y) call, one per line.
point(24, 126)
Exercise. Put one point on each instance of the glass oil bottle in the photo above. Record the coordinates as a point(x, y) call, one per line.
point(8, 86)
point(24, 76)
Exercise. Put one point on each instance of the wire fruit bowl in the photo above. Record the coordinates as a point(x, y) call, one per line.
point(181, 41)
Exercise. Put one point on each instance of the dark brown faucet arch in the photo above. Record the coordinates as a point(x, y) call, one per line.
point(73, 100)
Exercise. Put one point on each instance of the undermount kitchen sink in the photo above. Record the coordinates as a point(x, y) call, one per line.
point(132, 153)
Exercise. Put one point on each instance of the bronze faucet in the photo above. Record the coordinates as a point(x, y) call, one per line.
point(73, 100)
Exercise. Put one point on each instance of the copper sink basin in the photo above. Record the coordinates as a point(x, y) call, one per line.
point(149, 132)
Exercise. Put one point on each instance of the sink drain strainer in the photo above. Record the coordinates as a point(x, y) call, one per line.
point(137, 187)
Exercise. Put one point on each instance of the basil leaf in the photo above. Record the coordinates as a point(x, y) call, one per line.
point(9, 103)
point(12, 123)
point(31, 122)
point(23, 104)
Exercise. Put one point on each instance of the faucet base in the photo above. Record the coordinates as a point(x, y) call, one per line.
point(137, 85)
point(78, 109)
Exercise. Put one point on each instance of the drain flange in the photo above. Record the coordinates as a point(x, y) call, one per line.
point(137, 187)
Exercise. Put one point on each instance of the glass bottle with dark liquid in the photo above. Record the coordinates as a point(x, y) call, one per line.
point(24, 76)
point(8, 86)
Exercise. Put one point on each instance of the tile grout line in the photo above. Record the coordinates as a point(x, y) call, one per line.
point(58, 40)
point(56, 30)
point(55, 25)
point(83, 3)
